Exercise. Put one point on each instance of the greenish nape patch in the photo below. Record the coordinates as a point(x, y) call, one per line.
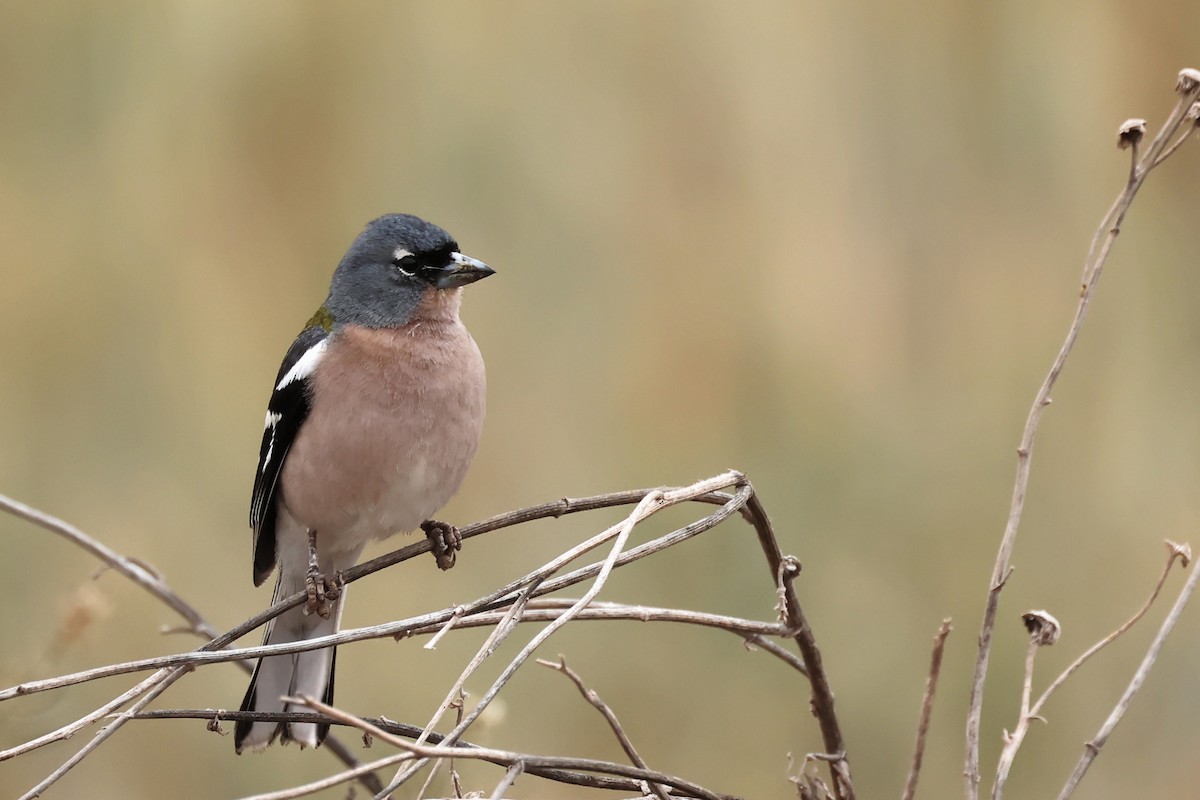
point(321, 319)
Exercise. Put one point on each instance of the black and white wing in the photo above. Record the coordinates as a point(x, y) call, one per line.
point(286, 412)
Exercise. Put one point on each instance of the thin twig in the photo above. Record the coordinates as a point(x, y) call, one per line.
point(751, 630)
point(1012, 741)
point(159, 681)
point(505, 757)
point(613, 723)
point(1176, 553)
point(935, 670)
point(704, 492)
point(460, 705)
point(795, 662)
point(784, 571)
point(1171, 148)
point(151, 580)
point(333, 780)
point(132, 569)
point(390, 726)
point(1106, 235)
point(146, 691)
point(508, 780)
point(1092, 748)
point(506, 625)
point(649, 504)
point(556, 509)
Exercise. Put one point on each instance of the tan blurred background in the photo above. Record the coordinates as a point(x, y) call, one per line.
point(832, 245)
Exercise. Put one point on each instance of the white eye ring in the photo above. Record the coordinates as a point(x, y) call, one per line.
point(400, 257)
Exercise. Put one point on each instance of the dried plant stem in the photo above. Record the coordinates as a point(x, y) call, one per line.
point(1013, 740)
point(610, 717)
point(132, 569)
point(510, 777)
point(504, 757)
point(520, 600)
point(1031, 712)
point(1176, 554)
point(651, 503)
point(454, 698)
point(545, 611)
point(554, 509)
point(389, 726)
point(1106, 235)
point(331, 781)
point(935, 670)
point(146, 691)
point(1092, 748)
point(784, 571)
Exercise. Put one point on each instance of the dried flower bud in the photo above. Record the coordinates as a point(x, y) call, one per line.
point(1189, 79)
point(1193, 114)
point(1042, 626)
point(1130, 133)
point(1181, 551)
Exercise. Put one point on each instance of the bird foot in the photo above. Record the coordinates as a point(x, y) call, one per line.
point(322, 589)
point(446, 539)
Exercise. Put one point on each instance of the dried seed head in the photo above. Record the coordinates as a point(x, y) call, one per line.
point(1189, 80)
point(1193, 114)
point(1042, 626)
point(1181, 551)
point(1130, 133)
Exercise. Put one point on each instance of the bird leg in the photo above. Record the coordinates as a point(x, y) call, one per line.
point(322, 590)
point(446, 541)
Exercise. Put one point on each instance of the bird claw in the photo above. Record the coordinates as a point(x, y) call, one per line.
point(322, 591)
point(446, 539)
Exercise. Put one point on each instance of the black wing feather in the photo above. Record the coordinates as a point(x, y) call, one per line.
point(286, 412)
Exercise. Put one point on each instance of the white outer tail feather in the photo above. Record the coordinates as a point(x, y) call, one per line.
point(292, 674)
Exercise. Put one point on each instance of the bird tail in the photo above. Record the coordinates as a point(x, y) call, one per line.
point(309, 673)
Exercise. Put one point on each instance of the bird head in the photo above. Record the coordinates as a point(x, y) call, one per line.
point(393, 264)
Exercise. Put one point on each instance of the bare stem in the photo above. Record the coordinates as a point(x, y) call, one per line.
point(210, 715)
point(609, 716)
point(1092, 748)
point(1106, 235)
point(1013, 740)
point(520, 600)
point(650, 504)
point(505, 757)
point(784, 571)
point(935, 670)
point(138, 572)
point(1176, 554)
point(1030, 712)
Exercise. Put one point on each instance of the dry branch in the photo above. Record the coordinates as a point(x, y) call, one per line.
point(211, 715)
point(529, 760)
point(1106, 234)
point(1092, 749)
point(935, 670)
point(609, 716)
point(520, 600)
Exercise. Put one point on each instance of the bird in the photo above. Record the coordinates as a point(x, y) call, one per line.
point(373, 421)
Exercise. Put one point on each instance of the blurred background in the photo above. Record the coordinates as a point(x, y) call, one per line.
point(832, 245)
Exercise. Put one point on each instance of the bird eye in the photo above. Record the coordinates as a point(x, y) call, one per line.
point(407, 265)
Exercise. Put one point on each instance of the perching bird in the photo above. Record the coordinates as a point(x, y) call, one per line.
point(374, 419)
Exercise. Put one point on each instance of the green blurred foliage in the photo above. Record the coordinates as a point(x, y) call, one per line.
point(832, 245)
